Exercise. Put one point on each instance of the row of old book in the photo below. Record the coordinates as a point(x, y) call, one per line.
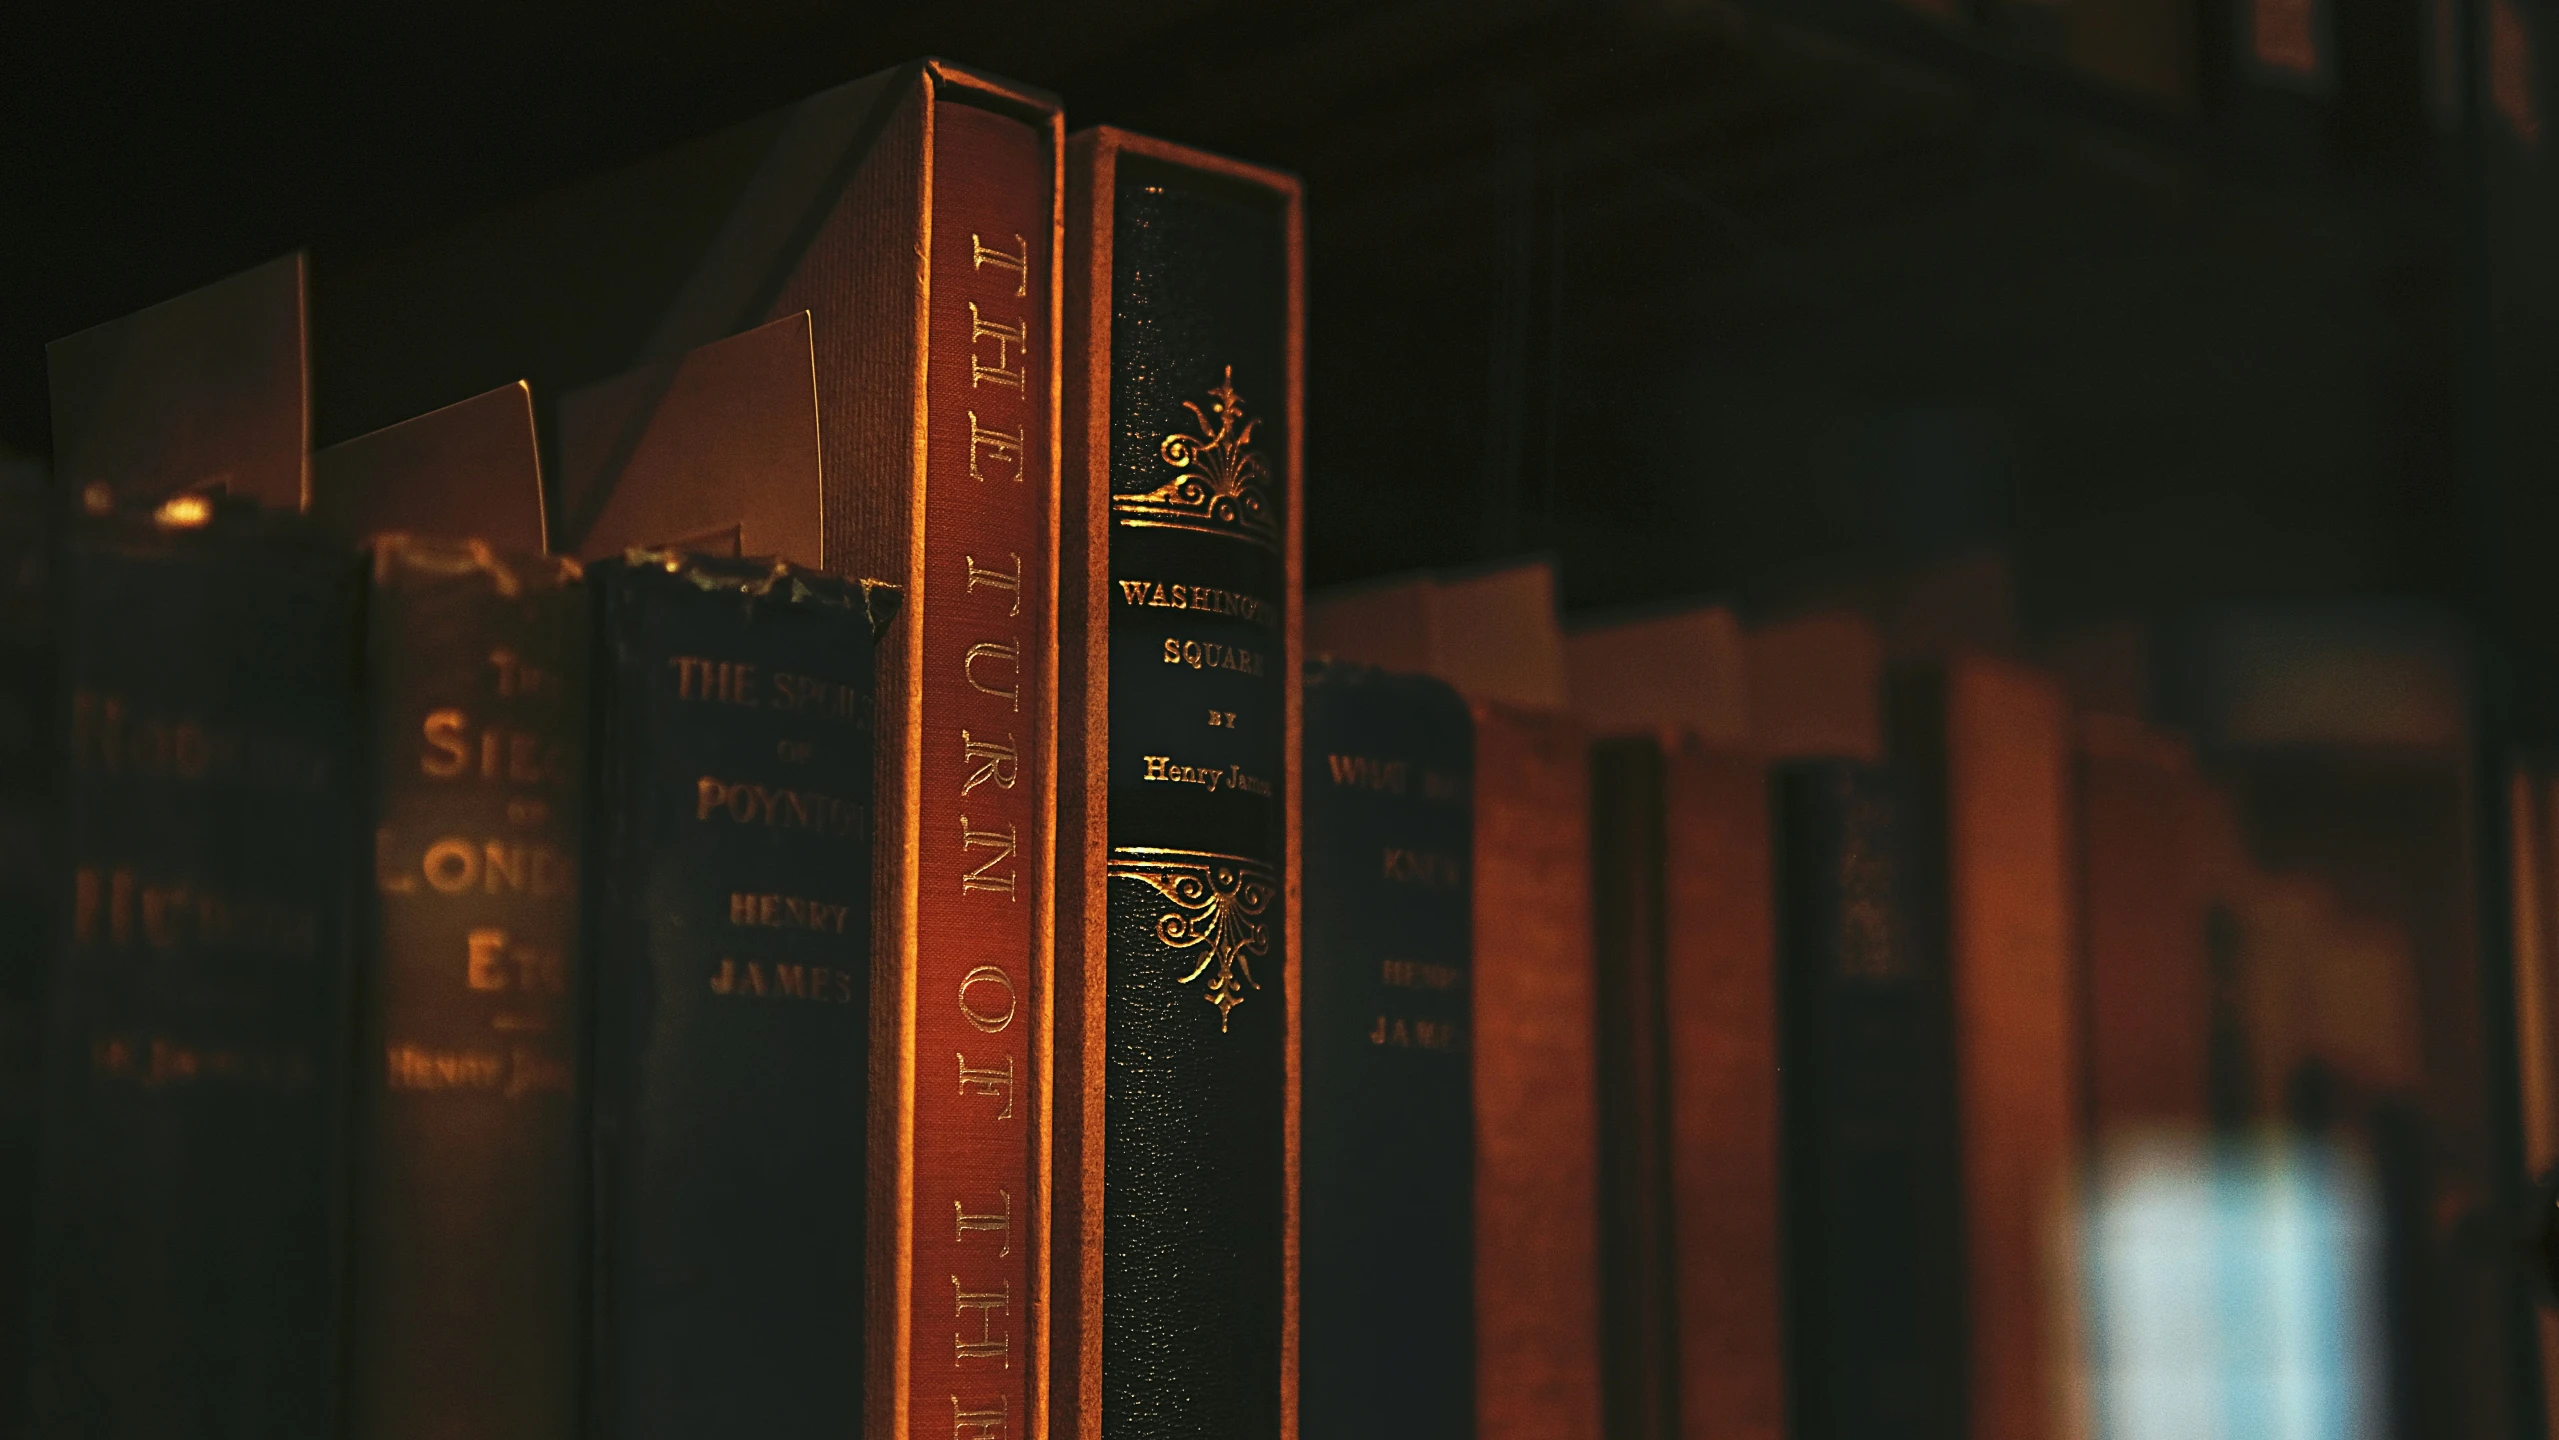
point(1808, 993)
point(757, 843)
point(669, 813)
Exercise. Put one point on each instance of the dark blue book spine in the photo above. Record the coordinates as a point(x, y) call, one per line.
point(1874, 1233)
point(730, 938)
point(1196, 1072)
point(1387, 1178)
point(187, 1217)
point(29, 827)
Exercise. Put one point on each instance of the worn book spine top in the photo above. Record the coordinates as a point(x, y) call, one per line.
point(1387, 1172)
point(1177, 1017)
point(29, 828)
point(186, 1237)
point(467, 1301)
point(1637, 1296)
point(982, 644)
point(1874, 1231)
point(728, 953)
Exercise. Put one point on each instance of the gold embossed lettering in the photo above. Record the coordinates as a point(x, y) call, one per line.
point(991, 443)
point(986, 1079)
point(980, 575)
point(992, 1307)
point(446, 755)
point(1011, 655)
point(452, 866)
point(1009, 369)
point(487, 951)
point(978, 1419)
point(976, 1001)
point(986, 877)
point(1422, 867)
point(999, 763)
point(1417, 975)
point(1017, 260)
point(1213, 655)
point(998, 1222)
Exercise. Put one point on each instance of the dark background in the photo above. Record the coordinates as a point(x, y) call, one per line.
point(1703, 298)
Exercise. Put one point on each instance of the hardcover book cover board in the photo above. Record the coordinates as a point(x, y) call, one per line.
point(1816, 687)
point(914, 217)
point(210, 390)
point(1682, 670)
point(727, 460)
point(472, 469)
point(1489, 631)
point(1178, 996)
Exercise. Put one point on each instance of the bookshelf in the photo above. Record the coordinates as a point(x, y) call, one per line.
point(2143, 338)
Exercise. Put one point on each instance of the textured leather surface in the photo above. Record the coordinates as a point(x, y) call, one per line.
point(1874, 1238)
point(731, 1016)
point(1386, 1269)
point(1194, 1092)
point(186, 1245)
point(468, 1303)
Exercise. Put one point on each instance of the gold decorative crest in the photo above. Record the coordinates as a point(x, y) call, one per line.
point(1220, 904)
point(1220, 486)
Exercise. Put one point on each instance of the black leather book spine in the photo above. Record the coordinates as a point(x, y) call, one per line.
point(1638, 1305)
point(29, 828)
point(1194, 1166)
point(467, 1300)
point(1387, 1175)
point(1874, 1235)
point(729, 946)
point(187, 1245)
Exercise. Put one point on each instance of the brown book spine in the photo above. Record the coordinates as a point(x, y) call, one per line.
point(2144, 917)
point(1719, 1001)
point(981, 712)
point(1537, 1349)
point(2002, 755)
point(468, 1283)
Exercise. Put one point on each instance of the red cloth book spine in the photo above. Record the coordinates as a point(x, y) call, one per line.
point(981, 667)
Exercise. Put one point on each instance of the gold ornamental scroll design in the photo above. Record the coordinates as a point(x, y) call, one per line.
point(1219, 915)
point(1219, 486)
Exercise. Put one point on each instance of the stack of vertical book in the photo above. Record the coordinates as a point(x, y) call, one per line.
point(760, 845)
